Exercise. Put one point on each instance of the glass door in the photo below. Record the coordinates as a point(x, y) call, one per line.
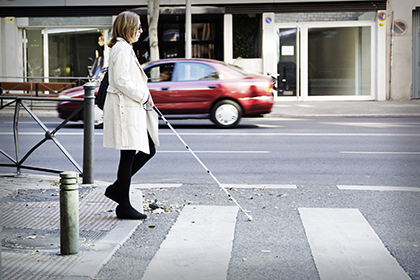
point(288, 62)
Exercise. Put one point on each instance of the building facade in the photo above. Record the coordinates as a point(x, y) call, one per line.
point(318, 50)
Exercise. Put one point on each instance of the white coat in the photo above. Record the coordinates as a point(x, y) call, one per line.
point(126, 119)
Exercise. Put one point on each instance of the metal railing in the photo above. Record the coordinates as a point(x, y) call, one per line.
point(88, 103)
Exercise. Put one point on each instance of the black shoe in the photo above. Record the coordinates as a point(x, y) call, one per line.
point(112, 193)
point(129, 213)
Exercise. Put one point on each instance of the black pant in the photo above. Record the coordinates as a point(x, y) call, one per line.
point(130, 163)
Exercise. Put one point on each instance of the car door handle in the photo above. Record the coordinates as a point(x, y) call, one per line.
point(212, 86)
point(165, 88)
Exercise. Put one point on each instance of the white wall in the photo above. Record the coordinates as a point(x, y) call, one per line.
point(401, 76)
point(10, 49)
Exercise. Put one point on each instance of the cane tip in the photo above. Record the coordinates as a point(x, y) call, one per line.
point(249, 218)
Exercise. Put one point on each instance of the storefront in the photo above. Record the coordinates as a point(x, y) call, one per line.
point(319, 50)
point(325, 56)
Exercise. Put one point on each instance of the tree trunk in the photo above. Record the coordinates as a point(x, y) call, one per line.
point(153, 17)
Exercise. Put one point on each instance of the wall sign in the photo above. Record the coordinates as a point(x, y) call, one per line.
point(381, 16)
point(268, 20)
point(400, 27)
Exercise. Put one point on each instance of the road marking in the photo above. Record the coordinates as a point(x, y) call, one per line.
point(259, 186)
point(378, 188)
point(217, 152)
point(246, 134)
point(293, 134)
point(376, 125)
point(198, 246)
point(275, 119)
point(155, 186)
point(384, 153)
point(344, 246)
point(268, 125)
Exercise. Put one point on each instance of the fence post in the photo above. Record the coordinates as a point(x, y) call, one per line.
point(69, 213)
point(89, 129)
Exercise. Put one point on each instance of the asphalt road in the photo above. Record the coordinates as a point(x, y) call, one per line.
point(327, 151)
point(315, 155)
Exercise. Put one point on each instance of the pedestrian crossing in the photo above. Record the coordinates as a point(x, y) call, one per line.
point(343, 245)
point(341, 241)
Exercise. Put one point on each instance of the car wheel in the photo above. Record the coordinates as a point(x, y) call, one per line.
point(226, 113)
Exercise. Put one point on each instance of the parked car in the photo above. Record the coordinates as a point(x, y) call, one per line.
point(179, 86)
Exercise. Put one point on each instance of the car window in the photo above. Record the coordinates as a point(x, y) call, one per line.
point(160, 72)
point(195, 71)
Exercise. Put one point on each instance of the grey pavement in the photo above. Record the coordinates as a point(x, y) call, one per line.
point(31, 228)
point(30, 245)
point(346, 109)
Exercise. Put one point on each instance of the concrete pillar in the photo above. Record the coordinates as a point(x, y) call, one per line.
point(69, 213)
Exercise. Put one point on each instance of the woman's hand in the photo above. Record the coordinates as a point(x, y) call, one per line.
point(150, 102)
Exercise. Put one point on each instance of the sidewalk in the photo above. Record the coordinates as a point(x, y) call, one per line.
point(31, 229)
point(409, 108)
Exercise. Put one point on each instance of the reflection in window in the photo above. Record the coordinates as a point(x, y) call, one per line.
point(195, 72)
point(203, 35)
point(69, 50)
point(339, 61)
point(160, 73)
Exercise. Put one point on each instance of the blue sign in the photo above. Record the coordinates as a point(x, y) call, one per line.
point(268, 20)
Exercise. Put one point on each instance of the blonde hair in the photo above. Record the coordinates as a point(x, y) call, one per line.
point(125, 26)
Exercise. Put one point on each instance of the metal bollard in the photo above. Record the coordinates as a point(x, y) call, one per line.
point(69, 213)
point(89, 130)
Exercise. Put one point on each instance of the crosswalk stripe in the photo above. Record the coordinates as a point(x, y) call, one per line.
point(155, 186)
point(378, 188)
point(260, 186)
point(198, 246)
point(227, 186)
point(344, 246)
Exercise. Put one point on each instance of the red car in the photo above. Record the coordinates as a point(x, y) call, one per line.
point(199, 86)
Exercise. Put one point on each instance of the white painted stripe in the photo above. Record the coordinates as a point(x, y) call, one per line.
point(198, 245)
point(275, 119)
point(293, 134)
point(245, 134)
point(155, 186)
point(384, 153)
point(268, 125)
point(378, 188)
point(259, 186)
point(344, 246)
point(20, 122)
point(217, 152)
point(43, 133)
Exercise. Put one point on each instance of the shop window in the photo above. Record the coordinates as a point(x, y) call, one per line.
point(203, 35)
point(339, 61)
point(247, 37)
point(70, 50)
point(35, 63)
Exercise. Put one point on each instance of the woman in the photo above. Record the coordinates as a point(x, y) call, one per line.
point(130, 124)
